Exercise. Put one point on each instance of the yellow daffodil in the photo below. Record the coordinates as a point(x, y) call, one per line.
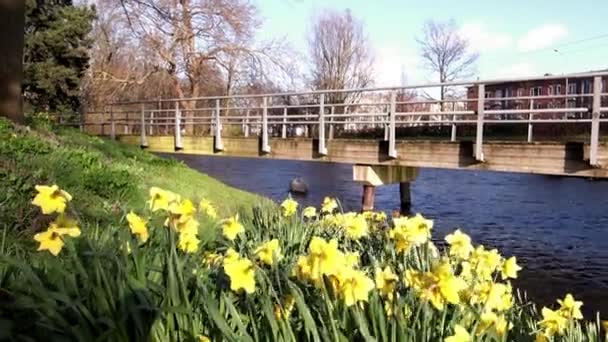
point(232, 227)
point(354, 286)
point(386, 282)
point(309, 212)
point(510, 268)
point(208, 209)
point(552, 322)
point(324, 258)
point(188, 226)
point(49, 240)
point(241, 273)
point(52, 238)
point(51, 199)
point(351, 259)
point(460, 244)
point(460, 335)
point(329, 205)
point(289, 207)
point(570, 308)
point(355, 226)
point(269, 252)
point(180, 212)
point(188, 242)
point(160, 199)
point(439, 286)
point(138, 226)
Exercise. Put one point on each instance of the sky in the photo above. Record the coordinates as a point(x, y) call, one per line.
point(513, 37)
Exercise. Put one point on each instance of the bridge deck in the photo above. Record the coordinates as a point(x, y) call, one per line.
point(551, 158)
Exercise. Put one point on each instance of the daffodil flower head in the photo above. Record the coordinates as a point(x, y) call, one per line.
point(269, 252)
point(232, 227)
point(570, 308)
point(460, 244)
point(289, 207)
point(309, 212)
point(51, 199)
point(52, 238)
point(354, 286)
point(386, 282)
point(160, 199)
point(188, 242)
point(241, 273)
point(553, 322)
point(329, 205)
point(355, 226)
point(208, 209)
point(138, 226)
point(460, 335)
point(510, 268)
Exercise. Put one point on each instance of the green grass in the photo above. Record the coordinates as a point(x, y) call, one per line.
point(106, 176)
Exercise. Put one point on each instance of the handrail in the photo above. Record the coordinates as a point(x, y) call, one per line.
point(376, 89)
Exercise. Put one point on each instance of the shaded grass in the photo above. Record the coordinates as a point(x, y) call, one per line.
point(108, 177)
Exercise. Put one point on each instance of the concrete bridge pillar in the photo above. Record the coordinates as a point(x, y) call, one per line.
point(371, 176)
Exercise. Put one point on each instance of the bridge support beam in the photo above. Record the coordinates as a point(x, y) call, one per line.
point(371, 176)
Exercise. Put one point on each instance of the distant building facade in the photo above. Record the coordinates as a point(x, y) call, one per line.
point(571, 85)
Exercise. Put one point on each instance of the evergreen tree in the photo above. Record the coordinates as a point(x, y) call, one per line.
point(55, 58)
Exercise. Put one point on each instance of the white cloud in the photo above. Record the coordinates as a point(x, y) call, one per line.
point(482, 39)
point(542, 37)
point(520, 69)
point(391, 63)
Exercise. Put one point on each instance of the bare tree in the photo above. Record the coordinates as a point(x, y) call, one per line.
point(340, 54)
point(12, 23)
point(446, 53)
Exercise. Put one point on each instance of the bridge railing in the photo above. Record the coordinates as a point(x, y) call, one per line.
point(321, 113)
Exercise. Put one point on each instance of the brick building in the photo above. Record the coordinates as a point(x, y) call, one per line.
point(562, 86)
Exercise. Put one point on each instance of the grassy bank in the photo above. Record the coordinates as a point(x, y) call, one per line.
point(109, 178)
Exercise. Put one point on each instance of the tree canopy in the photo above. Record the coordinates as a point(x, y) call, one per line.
point(56, 56)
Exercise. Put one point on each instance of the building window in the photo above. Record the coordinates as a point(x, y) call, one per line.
point(536, 91)
point(572, 88)
point(520, 92)
point(550, 90)
point(558, 89)
point(488, 94)
point(586, 87)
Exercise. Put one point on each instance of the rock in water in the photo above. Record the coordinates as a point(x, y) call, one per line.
point(298, 185)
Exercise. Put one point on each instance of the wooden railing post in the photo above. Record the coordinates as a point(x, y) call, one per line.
point(284, 125)
point(322, 148)
point(265, 146)
point(246, 128)
point(481, 89)
point(454, 128)
point(218, 145)
point(595, 121)
point(112, 124)
point(178, 130)
point(530, 117)
point(392, 151)
point(143, 140)
point(331, 120)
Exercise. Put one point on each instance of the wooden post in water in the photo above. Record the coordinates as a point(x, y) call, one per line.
point(405, 198)
point(367, 202)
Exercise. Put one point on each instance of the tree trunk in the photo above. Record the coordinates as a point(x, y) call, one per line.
point(12, 22)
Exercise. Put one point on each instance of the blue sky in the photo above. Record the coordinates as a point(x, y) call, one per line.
point(513, 37)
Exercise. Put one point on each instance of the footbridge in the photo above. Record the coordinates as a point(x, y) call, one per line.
point(386, 132)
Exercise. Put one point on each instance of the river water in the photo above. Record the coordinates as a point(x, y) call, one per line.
point(556, 226)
